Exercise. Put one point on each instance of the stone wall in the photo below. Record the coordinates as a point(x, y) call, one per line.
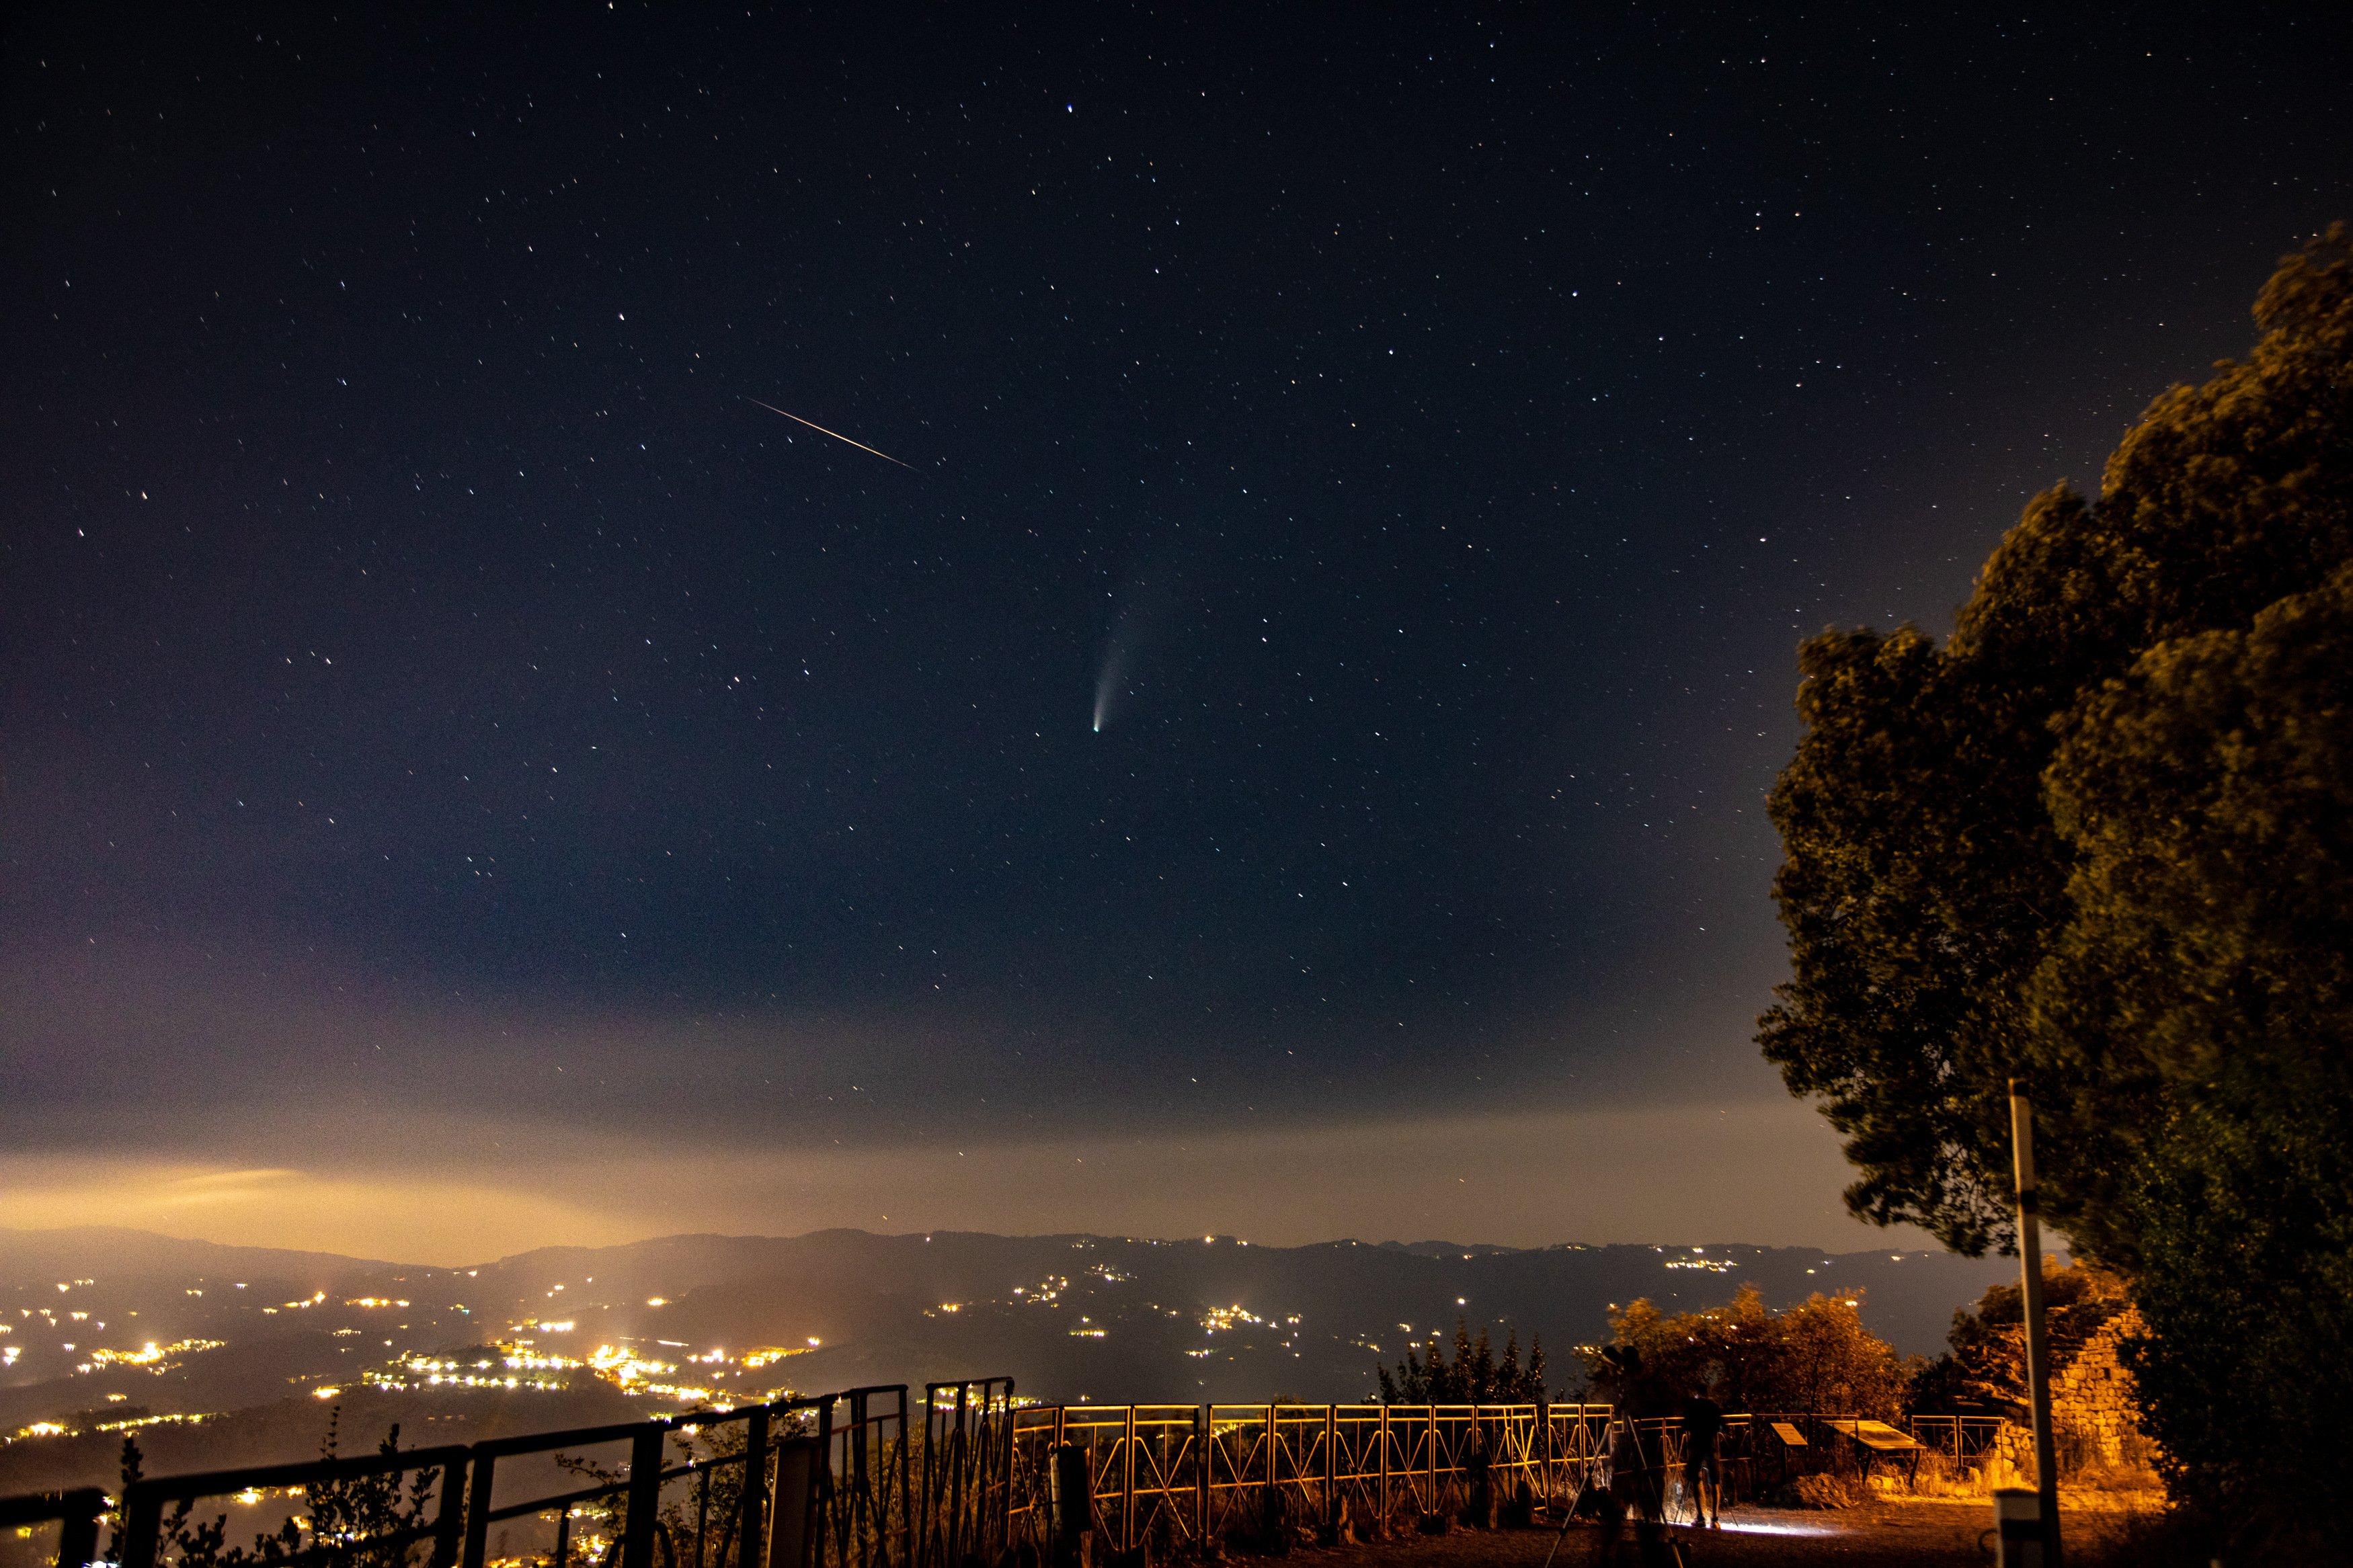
point(2094, 1413)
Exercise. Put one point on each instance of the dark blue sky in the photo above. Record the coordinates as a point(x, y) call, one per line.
point(440, 702)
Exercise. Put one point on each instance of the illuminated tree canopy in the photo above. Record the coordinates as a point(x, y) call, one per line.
point(2102, 837)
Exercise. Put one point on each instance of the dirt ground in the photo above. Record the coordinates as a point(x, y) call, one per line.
point(1909, 1533)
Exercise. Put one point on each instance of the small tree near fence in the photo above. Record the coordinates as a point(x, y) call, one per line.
point(1475, 1377)
point(360, 1519)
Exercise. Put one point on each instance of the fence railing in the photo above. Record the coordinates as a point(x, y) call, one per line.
point(76, 1513)
point(1962, 1439)
point(140, 1539)
point(1180, 1475)
point(845, 1480)
point(968, 1470)
point(800, 1482)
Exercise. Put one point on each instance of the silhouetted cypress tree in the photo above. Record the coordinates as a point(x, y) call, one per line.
point(1473, 1378)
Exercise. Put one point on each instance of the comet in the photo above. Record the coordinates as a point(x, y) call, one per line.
point(835, 434)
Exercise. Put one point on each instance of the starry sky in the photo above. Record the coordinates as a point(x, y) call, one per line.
point(1278, 745)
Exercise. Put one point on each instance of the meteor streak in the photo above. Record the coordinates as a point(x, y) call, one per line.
point(835, 434)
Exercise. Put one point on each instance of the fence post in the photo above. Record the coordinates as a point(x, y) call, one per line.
point(78, 1526)
point(449, 1524)
point(477, 1508)
point(1008, 1465)
point(861, 1476)
point(142, 1521)
point(1127, 1485)
point(1273, 1498)
point(958, 1454)
point(795, 1525)
point(645, 1496)
point(906, 1498)
point(927, 1492)
point(1386, 1510)
point(1331, 1470)
point(1205, 1455)
point(752, 1540)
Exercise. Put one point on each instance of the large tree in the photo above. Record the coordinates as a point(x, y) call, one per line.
point(1815, 1358)
point(2100, 837)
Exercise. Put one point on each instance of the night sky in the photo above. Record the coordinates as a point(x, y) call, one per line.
point(1278, 748)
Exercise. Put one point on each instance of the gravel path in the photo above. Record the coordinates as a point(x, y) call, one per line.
point(1908, 1533)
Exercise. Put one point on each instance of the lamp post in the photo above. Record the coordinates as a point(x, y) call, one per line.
point(2038, 1357)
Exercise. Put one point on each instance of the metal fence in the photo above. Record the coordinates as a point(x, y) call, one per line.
point(828, 1481)
point(75, 1514)
point(966, 1470)
point(1178, 1477)
point(847, 1481)
point(1962, 1439)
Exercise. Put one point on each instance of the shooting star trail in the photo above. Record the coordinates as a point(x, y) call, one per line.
point(835, 434)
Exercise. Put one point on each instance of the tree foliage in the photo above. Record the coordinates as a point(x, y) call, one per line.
point(1816, 1357)
point(2104, 838)
point(1475, 1376)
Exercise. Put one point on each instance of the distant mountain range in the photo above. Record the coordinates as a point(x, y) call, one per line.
point(101, 1323)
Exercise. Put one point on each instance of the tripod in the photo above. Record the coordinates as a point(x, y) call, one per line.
point(1652, 1502)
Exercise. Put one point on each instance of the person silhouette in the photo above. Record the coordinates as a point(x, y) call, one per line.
point(1635, 1396)
point(1702, 1483)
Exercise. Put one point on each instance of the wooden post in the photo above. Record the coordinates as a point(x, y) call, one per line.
point(2038, 1354)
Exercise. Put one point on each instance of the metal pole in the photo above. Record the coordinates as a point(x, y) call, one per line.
point(1273, 1476)
point(478, 1511)
point(702, 1508)
point(450, 1525)
point(1205, 1454)
point(1127, 1484)
point(1332, 1471)
point(2038, 1363)
point(751, 1538)
point(906, 1481)
point(78, 1526)
point(142, 1522)
point(961, 1458)
point(1004, 1462)
point(1429, 1502)
point(1544, 1451)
